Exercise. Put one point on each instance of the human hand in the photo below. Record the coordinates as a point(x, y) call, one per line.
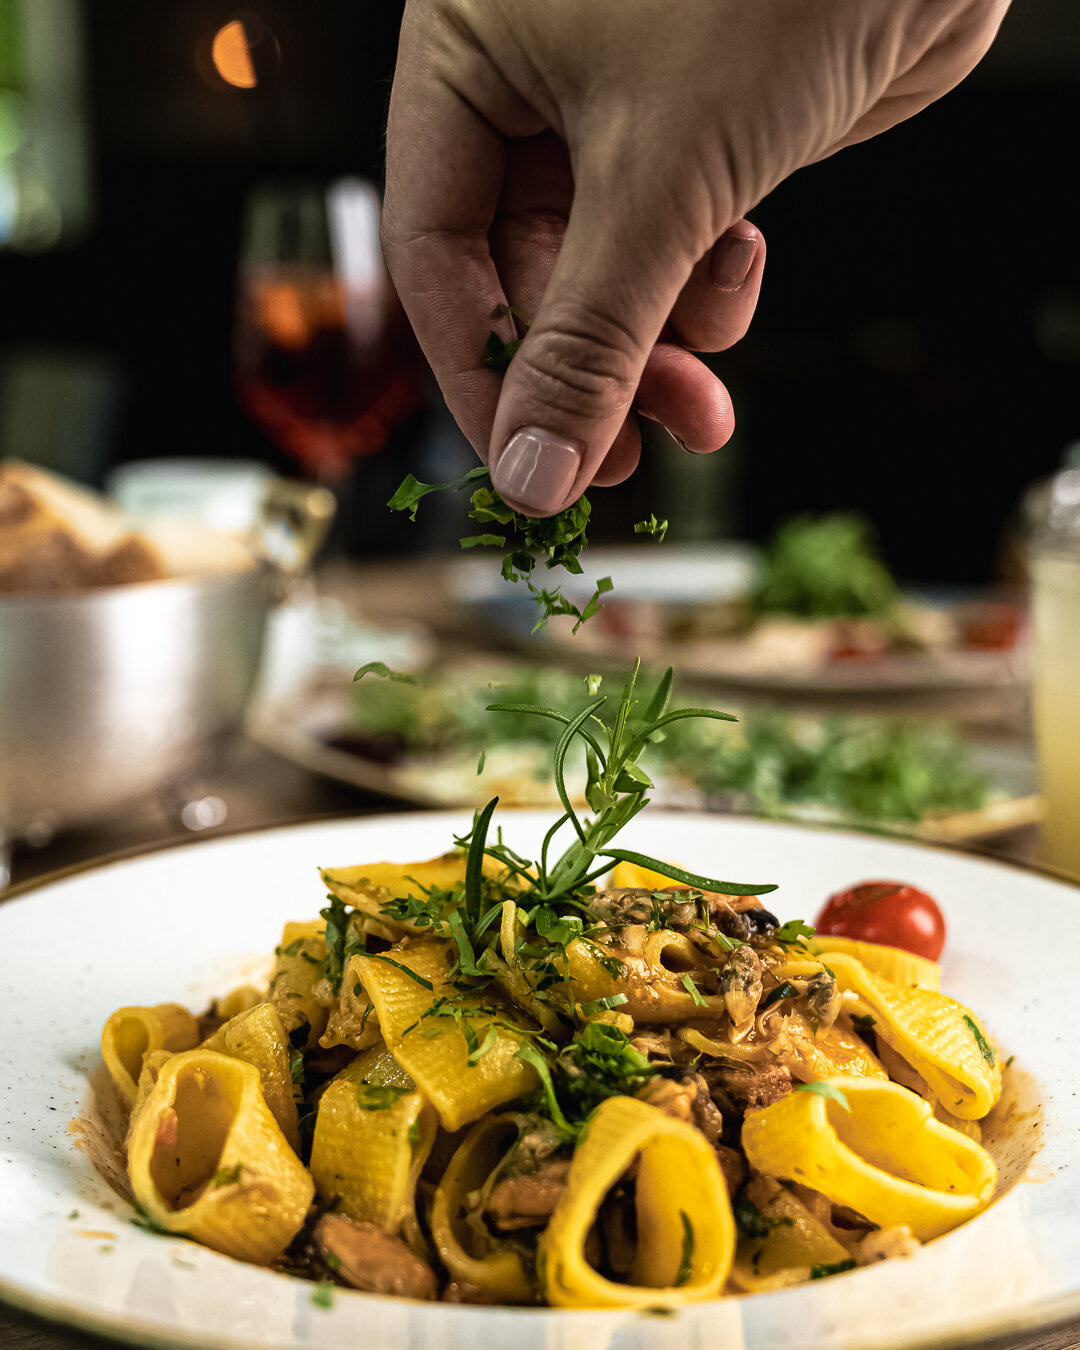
point(591, 165)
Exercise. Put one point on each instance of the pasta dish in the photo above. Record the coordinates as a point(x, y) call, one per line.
point(590, 1080)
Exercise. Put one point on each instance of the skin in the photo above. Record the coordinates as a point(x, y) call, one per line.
point(592, 163)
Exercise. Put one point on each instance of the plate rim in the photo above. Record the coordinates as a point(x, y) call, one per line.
point(1045, 1316)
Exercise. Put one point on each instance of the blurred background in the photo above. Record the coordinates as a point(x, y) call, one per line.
point(915, 355)
point(189, 269)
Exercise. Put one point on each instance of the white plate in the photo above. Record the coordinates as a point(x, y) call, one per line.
point(184, 923)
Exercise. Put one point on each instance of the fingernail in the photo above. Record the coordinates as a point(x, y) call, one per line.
point(536, 469)
point(731, 261)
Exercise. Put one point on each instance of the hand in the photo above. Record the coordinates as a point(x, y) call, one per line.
point(591, 162)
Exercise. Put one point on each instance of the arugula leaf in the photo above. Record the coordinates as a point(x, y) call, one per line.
point(985, 1049)
point(824, 1089)
point(686, 1258)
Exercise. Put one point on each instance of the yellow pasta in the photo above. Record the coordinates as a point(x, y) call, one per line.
point(132, 1033)
point(884, 1156)
point(258, 1037)
point(792, 1243)
point(685, 1230)
point(373, 1134)
point(888, 963)
point(472, 1256)
point(208, 1160)
point(404, 984)
point(940, 1038)
point(298, 968)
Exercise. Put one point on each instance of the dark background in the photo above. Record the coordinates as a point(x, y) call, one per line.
point(915, 355)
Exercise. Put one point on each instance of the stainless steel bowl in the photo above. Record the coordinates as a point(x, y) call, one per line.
point(107, 696)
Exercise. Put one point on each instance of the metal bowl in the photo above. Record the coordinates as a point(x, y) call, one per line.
point(108, 696)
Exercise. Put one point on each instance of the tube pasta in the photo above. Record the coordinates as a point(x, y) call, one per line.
point(887, 963)
point(476, 1260)
point(353, 1021)
point(435, 1051)
point(938, 1037)
point(887, 1158)
point(369, 1146)
point(257, 1037)
point(298, 966)
point(653, 992)
point(208, 1160)
point(686, 1233)
point(132, 1033)
point(794, 1242)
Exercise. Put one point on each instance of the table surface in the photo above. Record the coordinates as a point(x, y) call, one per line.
point(259, 789)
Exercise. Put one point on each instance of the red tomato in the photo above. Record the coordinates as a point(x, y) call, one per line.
point(889, 912)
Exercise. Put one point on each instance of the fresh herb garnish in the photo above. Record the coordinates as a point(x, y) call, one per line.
point(657, 528)
point(598, 1005)
point(694, 992)
point(322, 1294)
point(785, 989)
point(823, 1271)
point(398, 965)
point(751, 1221)
point(141, 1219)
point(824, 1089)
point(985, 1048)
point(863, 1021)
point(227, 1176)
point(686, 1258)
point(793, 931)
point(824, 568)
point(381, 668)
point(1008, 1062)
point(378, 1096)
point(296, 1065)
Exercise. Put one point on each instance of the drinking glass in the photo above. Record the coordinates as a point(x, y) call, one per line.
point(1055, 582)
point(324, 358)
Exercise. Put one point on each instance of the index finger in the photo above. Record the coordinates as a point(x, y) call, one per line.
point(444, 170)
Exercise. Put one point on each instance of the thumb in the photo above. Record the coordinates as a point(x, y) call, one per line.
point(570, 386)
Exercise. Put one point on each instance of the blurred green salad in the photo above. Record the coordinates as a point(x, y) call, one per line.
point(875, 769)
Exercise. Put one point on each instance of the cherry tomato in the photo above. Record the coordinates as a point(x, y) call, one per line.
point(889, 912)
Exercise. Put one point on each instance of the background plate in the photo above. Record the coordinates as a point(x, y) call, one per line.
point(188, 922)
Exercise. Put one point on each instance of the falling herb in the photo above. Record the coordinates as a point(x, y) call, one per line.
point(823, 1271)
point(381, 668)
point(657, 528)
point(378, 1096)
point(985, 1049)
point(686, 1268)
point(824, 1089)
point(480, 763)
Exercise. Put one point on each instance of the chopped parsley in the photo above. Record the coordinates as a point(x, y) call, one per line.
point(296, 1065)
point(398, 965)
point(794, 930)
point(785, 989)
point(863, 1021)
point(823, 1271)
point(985, 1048)
point(751, 1221)
point(694, 992)
point(824, 1089)
point(322, 1295)
point(378, 1096)
point(227, 1176)
point(686, 1267)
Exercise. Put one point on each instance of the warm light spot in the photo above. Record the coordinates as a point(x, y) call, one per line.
point(231, 55)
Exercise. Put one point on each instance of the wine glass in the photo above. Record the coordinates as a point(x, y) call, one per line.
point(324, 358)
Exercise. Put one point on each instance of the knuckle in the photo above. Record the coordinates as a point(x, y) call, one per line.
point(588, 366)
